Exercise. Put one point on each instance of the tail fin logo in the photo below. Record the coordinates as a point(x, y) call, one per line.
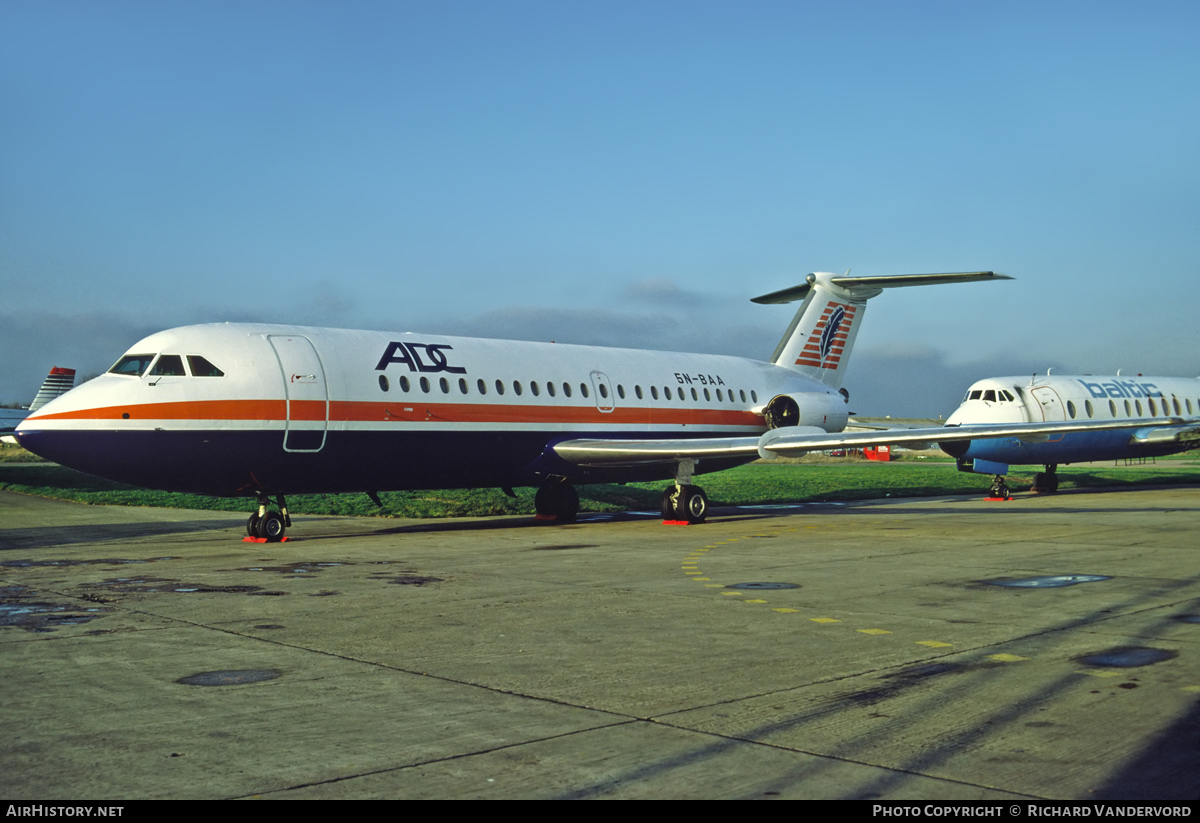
point(831, 328)
point(828, 339)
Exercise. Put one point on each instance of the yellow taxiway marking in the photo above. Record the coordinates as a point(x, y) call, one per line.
point(732, 594)
point(873, 631)
point(1100, 673)
point(702, 578)
point(824, 620)
point(1192, 689)
point(712, 585)
point(785, 611)
point(1006, 658)
point(933, 644)
point(756, 601)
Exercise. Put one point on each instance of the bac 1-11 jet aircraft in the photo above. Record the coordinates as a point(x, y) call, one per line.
point(266, 410)
point(1169, 409)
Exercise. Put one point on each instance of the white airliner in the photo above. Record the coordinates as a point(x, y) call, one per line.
point(1166, 411)
point(250, 409)
point(57, 382)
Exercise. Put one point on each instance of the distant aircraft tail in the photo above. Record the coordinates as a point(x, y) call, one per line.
point(817, 343)
point(58, 382)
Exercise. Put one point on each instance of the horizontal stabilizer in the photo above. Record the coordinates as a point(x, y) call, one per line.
point(873, 284)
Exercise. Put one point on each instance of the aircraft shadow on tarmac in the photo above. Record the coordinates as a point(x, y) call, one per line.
point(41, 537)
point(1168, 768)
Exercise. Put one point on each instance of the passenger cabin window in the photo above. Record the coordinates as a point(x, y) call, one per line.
point(133, 365)
point(168, 365)
point(202, 368)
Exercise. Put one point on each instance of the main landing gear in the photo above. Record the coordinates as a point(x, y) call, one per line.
point(557, 500)
point(268, 525)
point(1046, 482)
point(999, 489)
point(684, 502)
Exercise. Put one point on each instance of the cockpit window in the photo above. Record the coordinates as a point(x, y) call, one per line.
point(202, 368)
point(133, 365)
point(169, 365)
point(1004, 395)
point(975, 394)
point(990, 394)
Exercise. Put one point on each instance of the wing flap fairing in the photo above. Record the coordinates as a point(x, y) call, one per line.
point(798, 440)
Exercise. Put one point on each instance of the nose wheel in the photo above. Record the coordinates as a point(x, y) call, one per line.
point(269, 525)
point(999, 489)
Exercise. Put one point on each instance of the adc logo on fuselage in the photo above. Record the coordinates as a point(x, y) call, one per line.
point(423, 357)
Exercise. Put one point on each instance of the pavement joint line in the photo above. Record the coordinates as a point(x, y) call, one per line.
point(449, 758)
point(369, 663)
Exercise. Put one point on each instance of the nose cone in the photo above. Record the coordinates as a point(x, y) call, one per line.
point(962, 415)
point(53, 430)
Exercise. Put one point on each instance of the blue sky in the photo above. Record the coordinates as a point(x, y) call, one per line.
point(619, 173)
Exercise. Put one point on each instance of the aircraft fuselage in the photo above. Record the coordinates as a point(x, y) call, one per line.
point(236, 409)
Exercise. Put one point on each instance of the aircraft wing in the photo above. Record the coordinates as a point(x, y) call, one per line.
point(794, 441)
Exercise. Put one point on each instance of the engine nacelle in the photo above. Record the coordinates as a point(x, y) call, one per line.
point(824, 411)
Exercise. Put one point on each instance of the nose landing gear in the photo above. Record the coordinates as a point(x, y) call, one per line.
point(269, 526)
point(999, 489)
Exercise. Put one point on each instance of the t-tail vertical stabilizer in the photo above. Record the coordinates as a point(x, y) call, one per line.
point(817, 343)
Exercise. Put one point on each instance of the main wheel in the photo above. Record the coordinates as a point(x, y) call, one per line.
point(252, 525)
point(670, 503)
point(558, 500)
point(270, 527)
point(695, 504)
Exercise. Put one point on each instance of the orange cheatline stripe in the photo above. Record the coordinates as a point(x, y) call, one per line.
point(410, 409)
point(187, 410)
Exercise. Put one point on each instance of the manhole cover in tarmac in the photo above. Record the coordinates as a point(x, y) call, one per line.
point(1055, 581)
point(1126, 658)
point(763, 586)
point(229, 678)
